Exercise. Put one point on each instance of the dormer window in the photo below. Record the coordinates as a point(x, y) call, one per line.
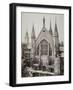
point(43, 30)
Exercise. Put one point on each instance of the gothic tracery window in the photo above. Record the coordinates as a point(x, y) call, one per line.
point(44, 47)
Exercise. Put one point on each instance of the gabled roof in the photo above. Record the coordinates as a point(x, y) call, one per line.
point(44, 34)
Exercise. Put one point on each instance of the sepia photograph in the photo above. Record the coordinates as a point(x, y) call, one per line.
point(42, 44)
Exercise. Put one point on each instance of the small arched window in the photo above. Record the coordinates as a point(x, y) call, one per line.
point(37, 52)
point(50, 50)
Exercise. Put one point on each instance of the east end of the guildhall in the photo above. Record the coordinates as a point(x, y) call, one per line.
point(45, 56)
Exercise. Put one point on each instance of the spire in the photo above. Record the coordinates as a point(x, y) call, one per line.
point(33, 42)
point(33, 33)
point(56, 39)
point(56, 30)
point(43, 21)
point(50, 30)
point(27, 38)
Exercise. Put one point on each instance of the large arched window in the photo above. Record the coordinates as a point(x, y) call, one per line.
point(44, 47)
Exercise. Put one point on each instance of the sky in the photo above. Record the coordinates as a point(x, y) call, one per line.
point(36, 19)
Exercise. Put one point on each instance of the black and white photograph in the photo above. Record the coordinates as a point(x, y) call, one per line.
point(42, 44)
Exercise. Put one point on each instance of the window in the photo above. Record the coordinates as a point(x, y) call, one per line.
point(44, 47)
point(51, 69)
point(37, 52)
point(50, 50)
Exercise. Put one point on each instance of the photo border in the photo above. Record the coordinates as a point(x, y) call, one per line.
point(12, 64)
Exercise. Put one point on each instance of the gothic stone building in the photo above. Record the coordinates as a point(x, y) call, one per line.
point(44, 49)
